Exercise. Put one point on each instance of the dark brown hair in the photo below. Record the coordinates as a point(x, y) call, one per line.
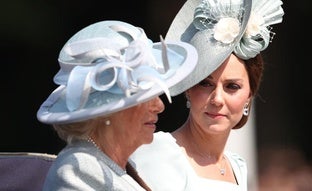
point(254, 67)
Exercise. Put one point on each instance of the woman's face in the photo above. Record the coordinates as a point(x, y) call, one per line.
point(138, 123)
point(217, 102)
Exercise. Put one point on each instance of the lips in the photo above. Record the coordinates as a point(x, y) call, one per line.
point(214, 115)
point(152, 122)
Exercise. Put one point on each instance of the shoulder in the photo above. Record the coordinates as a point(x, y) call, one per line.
point(163, 142)
point(236, 159)
point(82, 157)
point(163, 139)
point(235, 156)
point(77, 167)
point(239, 166)
point(160, 161)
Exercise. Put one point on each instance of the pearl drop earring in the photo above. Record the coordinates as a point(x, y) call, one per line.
point(246, 110)
point(107, 122)
point(188, 104)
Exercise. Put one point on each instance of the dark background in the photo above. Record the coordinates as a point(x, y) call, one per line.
point(33, 32)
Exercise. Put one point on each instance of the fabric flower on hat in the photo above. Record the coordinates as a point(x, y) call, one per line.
point(254, 25)
point(224, 19)
point(226, 30)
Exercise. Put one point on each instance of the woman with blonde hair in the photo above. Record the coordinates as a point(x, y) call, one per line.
point(107, 103)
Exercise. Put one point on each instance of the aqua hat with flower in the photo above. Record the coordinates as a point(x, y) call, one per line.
point(217, 28)
point(109, 66)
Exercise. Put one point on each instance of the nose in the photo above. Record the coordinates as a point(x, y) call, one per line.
point(157, 105)
point(216, 97)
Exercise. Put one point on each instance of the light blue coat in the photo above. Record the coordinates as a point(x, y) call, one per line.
point(81, 166)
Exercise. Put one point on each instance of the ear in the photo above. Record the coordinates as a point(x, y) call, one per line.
point(249, 99)
point(186, 93)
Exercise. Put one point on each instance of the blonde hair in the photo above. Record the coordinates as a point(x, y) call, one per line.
point(78, 130)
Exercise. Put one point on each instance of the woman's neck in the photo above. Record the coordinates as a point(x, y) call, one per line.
point(197, 142)
point(113, 149)
point(205, 153)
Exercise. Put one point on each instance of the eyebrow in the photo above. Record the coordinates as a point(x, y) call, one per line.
point(227, 80)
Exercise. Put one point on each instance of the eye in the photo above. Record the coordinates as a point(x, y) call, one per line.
point(205, 83)
point(233, 86)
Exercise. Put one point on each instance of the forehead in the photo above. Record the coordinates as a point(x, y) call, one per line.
point(233, 67)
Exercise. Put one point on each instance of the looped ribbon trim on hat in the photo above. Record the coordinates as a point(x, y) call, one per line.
point(99, 64)
point(225, 17)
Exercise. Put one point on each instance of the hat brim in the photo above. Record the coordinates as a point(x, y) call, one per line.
point(210, 54)
point(54, 110)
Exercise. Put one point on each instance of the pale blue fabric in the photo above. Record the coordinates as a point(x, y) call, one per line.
point(164, 167)
point(196, 21)
point(111, 65)
point(81, 166)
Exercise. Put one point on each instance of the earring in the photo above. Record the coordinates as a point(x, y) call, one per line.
point(246, 110)
point(188, 104)
point(107, 122)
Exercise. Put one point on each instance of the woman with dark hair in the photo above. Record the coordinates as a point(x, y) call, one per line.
point(228, 36)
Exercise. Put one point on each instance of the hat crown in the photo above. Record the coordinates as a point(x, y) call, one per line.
point(110, 66)
point(117, 61)
point(217, 28)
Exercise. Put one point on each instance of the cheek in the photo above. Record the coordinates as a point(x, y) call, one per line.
point(198, 100)
point(236, 104)
point(138, 115)
point(130, 118)
point(133, 119)
point(198, 94)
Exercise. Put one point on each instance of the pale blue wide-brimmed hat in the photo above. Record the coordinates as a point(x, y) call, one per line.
point(217, 28)
point(111, 65)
